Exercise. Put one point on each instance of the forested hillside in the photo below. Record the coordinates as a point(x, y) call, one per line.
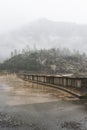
point(46, 61)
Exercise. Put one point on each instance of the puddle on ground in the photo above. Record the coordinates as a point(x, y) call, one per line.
point(15, 91)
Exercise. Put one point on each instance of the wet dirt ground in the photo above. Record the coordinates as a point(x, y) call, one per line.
point(28, 106)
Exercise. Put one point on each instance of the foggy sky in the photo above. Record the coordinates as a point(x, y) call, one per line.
point(15, 13)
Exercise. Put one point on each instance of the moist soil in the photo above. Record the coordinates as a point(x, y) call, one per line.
point(28, 106)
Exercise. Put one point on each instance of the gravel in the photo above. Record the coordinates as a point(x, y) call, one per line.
point(72, 125)
point(9, 121)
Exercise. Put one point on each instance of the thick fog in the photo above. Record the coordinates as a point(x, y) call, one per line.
point(42, 23)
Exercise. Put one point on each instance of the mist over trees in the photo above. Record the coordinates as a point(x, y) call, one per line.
point(46, 61)
point(47, 34)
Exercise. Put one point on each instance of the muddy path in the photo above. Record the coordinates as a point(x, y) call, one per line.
point(28, 106)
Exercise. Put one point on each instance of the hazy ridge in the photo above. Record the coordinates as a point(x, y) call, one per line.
point(44, 33)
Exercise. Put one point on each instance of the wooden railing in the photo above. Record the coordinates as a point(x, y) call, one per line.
point(58, 81)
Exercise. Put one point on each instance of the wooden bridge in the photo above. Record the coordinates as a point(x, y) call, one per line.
point(76, 86)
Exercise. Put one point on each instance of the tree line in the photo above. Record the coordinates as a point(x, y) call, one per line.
point(46, 61)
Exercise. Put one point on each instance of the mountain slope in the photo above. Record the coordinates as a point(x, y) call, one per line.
point(45, 34)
